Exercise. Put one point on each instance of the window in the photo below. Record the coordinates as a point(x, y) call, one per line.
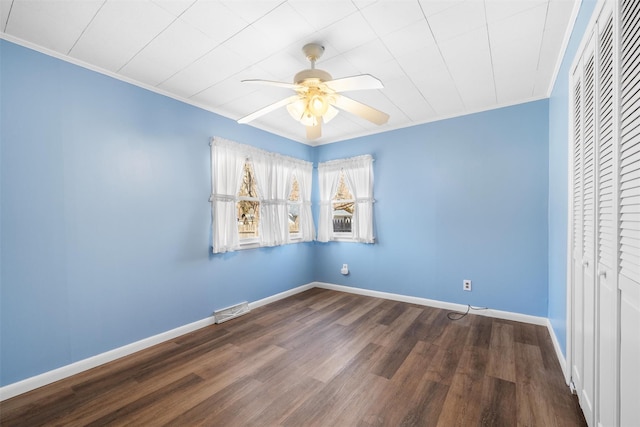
point(342, 208)
point(248, 205)
point(258, 198)
point(346, 200)
point(294, 208)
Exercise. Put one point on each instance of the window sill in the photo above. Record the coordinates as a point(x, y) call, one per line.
point(255, 243)
point(249, 244)
point(342, 237)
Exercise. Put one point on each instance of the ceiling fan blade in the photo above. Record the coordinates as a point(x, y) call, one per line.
point(314, 132)
point(360, 82)
point(360, 109)
point(268, 109)
point(272, 83)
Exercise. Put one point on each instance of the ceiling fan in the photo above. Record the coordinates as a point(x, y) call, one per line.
point(318, 97)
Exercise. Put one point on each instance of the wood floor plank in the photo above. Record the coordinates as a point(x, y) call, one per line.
point(171, 391)
point(316, 408)
point(462, 406)
point(284, 401)
point(498, 403)
point(480, 332)
point(360, 310)
point(322, 358)
point(403, 388)
point(525, 333)
point(501, 352)
point(532, 403)
point(205, 412)
point(397, 328)
point(426, 409)
point(393, 311)
point(346, 350)
point(103, 403)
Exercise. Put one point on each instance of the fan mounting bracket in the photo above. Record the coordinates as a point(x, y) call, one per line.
point(313, 51)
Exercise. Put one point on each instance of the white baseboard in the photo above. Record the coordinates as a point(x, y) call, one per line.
point(559, 355)
point(499, 314)
point(281, 295)
point(49, 377)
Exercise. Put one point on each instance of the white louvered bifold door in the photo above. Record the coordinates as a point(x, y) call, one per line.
point(629, 203)
point(583, 214)
point(606, 235)
point(577, 324)
point(588, 233)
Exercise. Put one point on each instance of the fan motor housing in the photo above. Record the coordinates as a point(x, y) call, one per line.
point(312, 73)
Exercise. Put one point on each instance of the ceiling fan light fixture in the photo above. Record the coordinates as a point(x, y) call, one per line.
point(296, 109)
point(318, 104)
point(309, 119)
point(330, 114)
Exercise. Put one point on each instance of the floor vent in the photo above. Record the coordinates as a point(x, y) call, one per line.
point(232, 312)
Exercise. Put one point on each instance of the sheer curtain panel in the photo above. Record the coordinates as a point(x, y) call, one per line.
point(304, 173)
point(227, 163)
point(359, 174)
point(328, 175)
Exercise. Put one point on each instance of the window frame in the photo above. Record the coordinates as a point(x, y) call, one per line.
point(329, 174)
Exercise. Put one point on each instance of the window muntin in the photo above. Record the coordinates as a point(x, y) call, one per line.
point(248, 205)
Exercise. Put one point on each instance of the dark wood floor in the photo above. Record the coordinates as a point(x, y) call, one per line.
point(322, 358)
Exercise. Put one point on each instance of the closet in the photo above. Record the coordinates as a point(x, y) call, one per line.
point(604, 222)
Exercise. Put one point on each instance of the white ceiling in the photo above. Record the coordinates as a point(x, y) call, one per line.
point(436, 59)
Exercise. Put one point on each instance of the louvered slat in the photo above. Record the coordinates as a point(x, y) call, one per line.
point(606, 200)
point(589, 160)
point(629, 258)
point(577, 167)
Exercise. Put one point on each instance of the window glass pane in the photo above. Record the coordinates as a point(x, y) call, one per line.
point(248, 218)
point(342, 192)
point(248, 210)
point(294, 209)
point(342, 215)
point(343, 209)
point(248, 187)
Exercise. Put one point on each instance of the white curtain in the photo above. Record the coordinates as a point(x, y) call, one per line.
point(280, 188)
point(227, 164)
point(328, 175)
point(358, 173)
point(262, 171)
point(273, 177)
point(304, 176)
point(274, 174)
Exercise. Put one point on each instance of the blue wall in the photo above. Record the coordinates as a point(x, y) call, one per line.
point(464, 198)
point(558, 180)
point(105, 218)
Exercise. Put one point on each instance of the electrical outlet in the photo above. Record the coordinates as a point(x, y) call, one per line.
point(345, 269)
point(466, 285)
